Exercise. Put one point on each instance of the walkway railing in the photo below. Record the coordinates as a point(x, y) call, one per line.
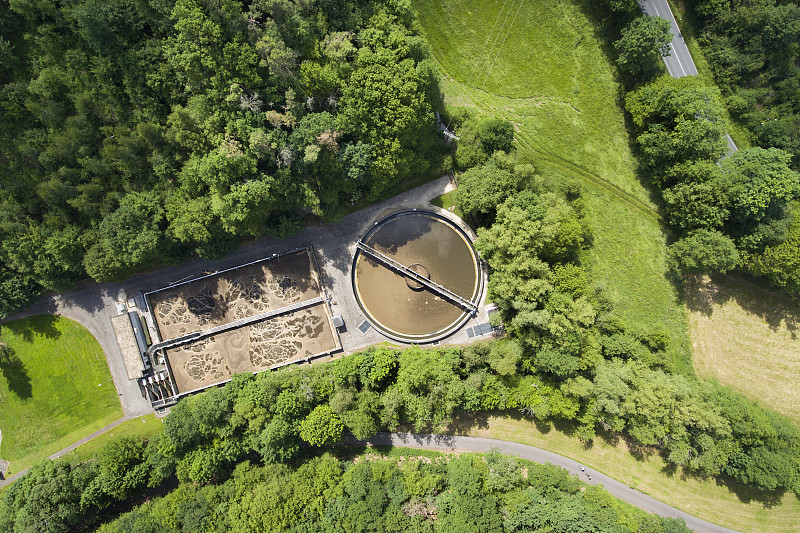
point(432, 285)
point(232, 325)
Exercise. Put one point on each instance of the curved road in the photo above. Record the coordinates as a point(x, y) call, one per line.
point(523, 451)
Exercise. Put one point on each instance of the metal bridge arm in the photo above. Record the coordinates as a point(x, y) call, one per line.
point(432, 285)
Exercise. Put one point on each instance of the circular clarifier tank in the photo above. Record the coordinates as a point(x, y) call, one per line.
point(397, 303)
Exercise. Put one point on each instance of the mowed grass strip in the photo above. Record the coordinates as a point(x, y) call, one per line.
point(142, 428)
point(725, 503)
point(552, 80)
point(746, 336)
point(49, 393)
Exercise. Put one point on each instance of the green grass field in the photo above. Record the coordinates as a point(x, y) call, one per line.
point(547, 73)
point(448, 201)
point(49, 393)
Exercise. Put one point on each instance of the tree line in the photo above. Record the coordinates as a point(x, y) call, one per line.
point(396, 492)
point(271, 418)
point(135, 131)
point(727, 211)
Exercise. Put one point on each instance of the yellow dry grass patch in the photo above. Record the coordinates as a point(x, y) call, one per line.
point(728, 504)
point(745, 336)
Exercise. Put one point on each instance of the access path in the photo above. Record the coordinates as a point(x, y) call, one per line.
point(84, 440)
point(679, 62)
point(538, 455)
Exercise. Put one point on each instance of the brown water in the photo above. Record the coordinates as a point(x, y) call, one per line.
point(424, 239)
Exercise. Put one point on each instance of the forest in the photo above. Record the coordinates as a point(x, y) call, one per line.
point(134, 132)
point(211, 122)
point(271, 419)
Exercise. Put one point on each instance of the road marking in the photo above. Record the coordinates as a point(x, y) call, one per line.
point(674, 54)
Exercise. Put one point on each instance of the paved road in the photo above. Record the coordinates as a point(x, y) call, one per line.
point(93, 304)
point(679, 62)
point(475, 444)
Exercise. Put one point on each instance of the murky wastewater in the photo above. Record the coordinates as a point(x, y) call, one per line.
point(430, 245)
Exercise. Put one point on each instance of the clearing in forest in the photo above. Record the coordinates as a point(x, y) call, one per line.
point(540, 65)
point(55, 388)
point(745, 336)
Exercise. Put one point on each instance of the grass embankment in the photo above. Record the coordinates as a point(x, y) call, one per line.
point(745, 336)
point(551, 79)
point(49, 393)
point(143, 427)
point(448, 201)
point(728, 504)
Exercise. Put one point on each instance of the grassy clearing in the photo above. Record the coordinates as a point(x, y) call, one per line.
point(143, 427)
point(448, 201)
point(745, 336)
point(730, 505)
point(49, 393)
point(551, 79)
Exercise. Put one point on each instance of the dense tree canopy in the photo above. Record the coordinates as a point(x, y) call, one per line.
point(753, 48)
point(134, 131)
point(723, 208)
point(642, 45)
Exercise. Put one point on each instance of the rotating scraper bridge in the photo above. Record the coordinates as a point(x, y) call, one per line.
point(419, 278)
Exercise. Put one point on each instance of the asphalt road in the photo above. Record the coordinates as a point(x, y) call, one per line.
point(480, 445)
point(679, 62)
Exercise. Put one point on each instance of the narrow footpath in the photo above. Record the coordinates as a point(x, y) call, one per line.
point(69, 448)
point(537, 455)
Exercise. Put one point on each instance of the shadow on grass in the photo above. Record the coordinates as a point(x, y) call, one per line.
point(745, 493)
point(15, 373)
point(27, 328)
point(774, 308)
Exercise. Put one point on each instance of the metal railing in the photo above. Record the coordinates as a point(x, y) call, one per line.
point(231, 325)
point(432, 285)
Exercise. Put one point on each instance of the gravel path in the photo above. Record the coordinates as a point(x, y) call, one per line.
point(475, 444)
point(69, 448)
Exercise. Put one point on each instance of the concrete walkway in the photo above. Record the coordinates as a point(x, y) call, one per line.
point(480, 445)
point(69, 448)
